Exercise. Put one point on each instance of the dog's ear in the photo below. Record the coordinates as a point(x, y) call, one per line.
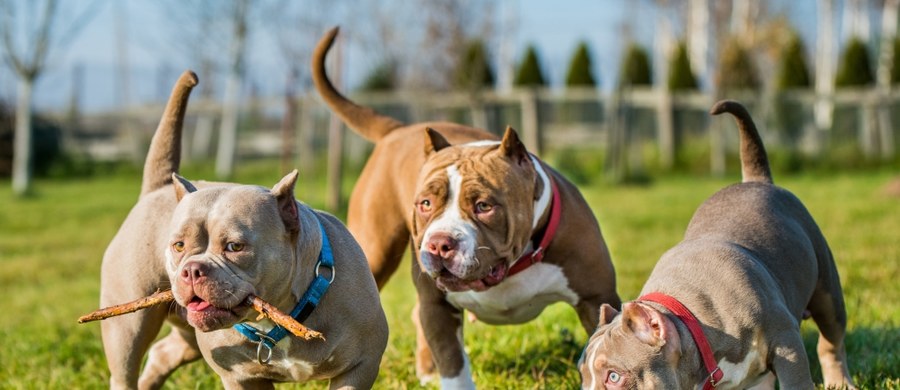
point(607, 313)
point(434, 141)
point(513, 148)
point(182, 186)
point(287, 205)
point(648, 324)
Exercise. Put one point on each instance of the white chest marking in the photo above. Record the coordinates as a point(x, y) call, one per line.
point(519, 298)
point(745, 373)
point(282, 363)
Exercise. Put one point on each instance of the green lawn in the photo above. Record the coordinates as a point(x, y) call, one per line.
point(51, 245)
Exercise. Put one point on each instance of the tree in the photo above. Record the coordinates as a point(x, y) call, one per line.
point(736, 68)
point(680, 75)
point(825, 38)
point(635, 69)
point(474, 72)
point(580, 73)
point(793, 72)
point(28, 38)
point(382, 78)
point(855, 69)
point(529, 73)
point(895, 65)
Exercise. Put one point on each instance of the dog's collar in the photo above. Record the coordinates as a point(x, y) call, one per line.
point(686, 317)
point(536, 255)
point(302, 310)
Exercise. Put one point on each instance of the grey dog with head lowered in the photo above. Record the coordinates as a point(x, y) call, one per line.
point(216, 245)
point(751, 263)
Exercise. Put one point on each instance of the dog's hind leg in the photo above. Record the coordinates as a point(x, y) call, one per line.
point(125, 339)
point(381, 234)
point(425, 369)
point(826, 306)
point(828, 312)
point(178, 348)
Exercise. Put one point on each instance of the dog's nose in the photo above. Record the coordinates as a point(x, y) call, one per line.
point(193, 271)
point(442, 245)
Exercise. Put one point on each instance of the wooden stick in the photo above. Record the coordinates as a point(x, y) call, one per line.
point(285, 320)
point(160, 297)
point(157, 298)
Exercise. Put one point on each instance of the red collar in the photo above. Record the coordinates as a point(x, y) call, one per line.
point(537, 254)
point(678, 309)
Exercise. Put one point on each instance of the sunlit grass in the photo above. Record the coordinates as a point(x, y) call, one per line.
point(51, 245)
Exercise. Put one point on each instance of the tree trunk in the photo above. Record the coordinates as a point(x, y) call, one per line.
point(883, 77)
point(663, 44)
point(228, 130)
point(825, 60)
point(21, 180)
point(698, 40)
point(287, 128)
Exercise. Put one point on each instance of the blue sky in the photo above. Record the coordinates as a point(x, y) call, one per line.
point(555, 27)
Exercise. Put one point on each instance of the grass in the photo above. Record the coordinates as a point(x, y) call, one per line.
point(51, 245)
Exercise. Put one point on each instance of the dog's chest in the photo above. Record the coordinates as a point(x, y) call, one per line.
point(283, 366)
point(519, 298)
point(750, 370)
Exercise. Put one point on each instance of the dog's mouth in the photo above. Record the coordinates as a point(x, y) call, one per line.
point(447, 281)
point(206, 316)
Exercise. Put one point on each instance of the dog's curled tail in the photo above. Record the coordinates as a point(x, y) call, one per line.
point(754, 162)
point(363, 120)
point(164, 155)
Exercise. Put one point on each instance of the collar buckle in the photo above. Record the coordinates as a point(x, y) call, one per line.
point(264, 341)
point(330, 271)
point(715, 376)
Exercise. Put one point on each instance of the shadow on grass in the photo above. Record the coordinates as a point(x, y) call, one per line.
point(872, 353)
point(549, 360)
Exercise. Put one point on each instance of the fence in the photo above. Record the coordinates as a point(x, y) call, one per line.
point(631, 129)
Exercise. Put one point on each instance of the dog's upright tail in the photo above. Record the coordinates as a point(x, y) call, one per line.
point(754, 162)
point(164, 155)
point(363, 120)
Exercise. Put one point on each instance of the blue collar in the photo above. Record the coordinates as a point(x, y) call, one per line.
point(302, 310)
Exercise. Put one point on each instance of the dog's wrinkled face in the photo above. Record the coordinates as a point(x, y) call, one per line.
point(474, 210)
point(637, 349)
point(227, 242)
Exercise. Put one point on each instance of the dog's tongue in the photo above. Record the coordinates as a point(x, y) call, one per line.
point(198, 304)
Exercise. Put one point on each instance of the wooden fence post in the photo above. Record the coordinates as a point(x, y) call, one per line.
point(335, 163)
point(306, 154)
point(531, 125)
point(665, 128)
point(615, 157)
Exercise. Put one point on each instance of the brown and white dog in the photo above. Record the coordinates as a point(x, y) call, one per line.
point(215, 245)
point(479, 210)
point(723, 307)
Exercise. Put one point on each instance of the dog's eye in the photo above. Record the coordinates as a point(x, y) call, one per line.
point(178, 246)
point(234, 247)
point(613, 377)
point(483, 207)
point(425, 206)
